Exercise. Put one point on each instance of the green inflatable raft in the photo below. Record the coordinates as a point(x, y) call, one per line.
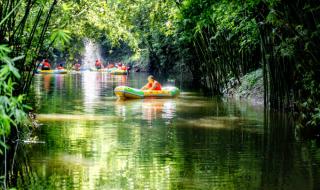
point(125, 92)
point(56, 71)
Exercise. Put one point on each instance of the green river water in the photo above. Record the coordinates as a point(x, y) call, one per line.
point(89, 140)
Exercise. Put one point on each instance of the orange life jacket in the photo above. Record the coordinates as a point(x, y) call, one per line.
point(158, 85)
point(46, 64)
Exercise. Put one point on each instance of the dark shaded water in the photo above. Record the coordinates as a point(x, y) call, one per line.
point(89, 140)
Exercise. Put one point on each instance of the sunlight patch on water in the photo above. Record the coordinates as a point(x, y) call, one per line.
point(72, 117)
point(74, 159)
point(196, 103)
point(91, 90)
point(225, 123)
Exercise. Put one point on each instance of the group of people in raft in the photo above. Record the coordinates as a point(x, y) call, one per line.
point(119, 66)
point(45, 65)
point(151, 85)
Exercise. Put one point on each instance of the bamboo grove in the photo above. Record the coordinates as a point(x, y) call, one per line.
point(280, 36)
point(27, 29)
point(221, 39)
point(217, 40)
point(24, 39)
point(210, 40)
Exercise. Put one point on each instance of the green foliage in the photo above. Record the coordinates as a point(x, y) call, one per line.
point(24, 27)
point(253, 77)
point(60, 38)
point(11, 106)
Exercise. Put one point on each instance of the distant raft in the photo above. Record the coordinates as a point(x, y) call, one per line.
point(125, 92)
point(96, 70)
point(118, 72)
point(56, 71)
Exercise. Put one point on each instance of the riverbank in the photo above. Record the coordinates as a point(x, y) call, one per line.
point(249, 88)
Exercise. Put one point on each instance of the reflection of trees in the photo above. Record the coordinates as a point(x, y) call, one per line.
point(287, 163)
point(108, 156)
point(202, 107)
point(68, 93)
point(57, 93)
point(124, 152)
point(218, 159)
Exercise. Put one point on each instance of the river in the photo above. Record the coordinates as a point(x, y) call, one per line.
point(90, 140)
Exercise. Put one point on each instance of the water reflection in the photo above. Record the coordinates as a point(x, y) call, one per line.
point(47, 82)
point(93, 141)
point(59, 82)
point(91, 87)
point(119, 80)
point(147, 109)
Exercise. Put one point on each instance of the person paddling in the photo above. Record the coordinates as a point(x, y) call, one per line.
point(46, 65)
point(152, 84)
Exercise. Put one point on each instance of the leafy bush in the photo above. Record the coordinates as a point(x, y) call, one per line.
point(11, 107)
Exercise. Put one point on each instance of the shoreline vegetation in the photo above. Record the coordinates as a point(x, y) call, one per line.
point(263, 50)
point(249, 88)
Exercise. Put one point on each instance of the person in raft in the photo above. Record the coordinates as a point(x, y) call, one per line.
point(46, 65)
point(98, 64)
point(124, 68)
point(77, 66)
point(60, 67)
point(152, 84)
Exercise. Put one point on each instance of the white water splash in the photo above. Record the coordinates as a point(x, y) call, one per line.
point(91, 54)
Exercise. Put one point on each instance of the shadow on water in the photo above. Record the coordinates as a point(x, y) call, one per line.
point(93, 141)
